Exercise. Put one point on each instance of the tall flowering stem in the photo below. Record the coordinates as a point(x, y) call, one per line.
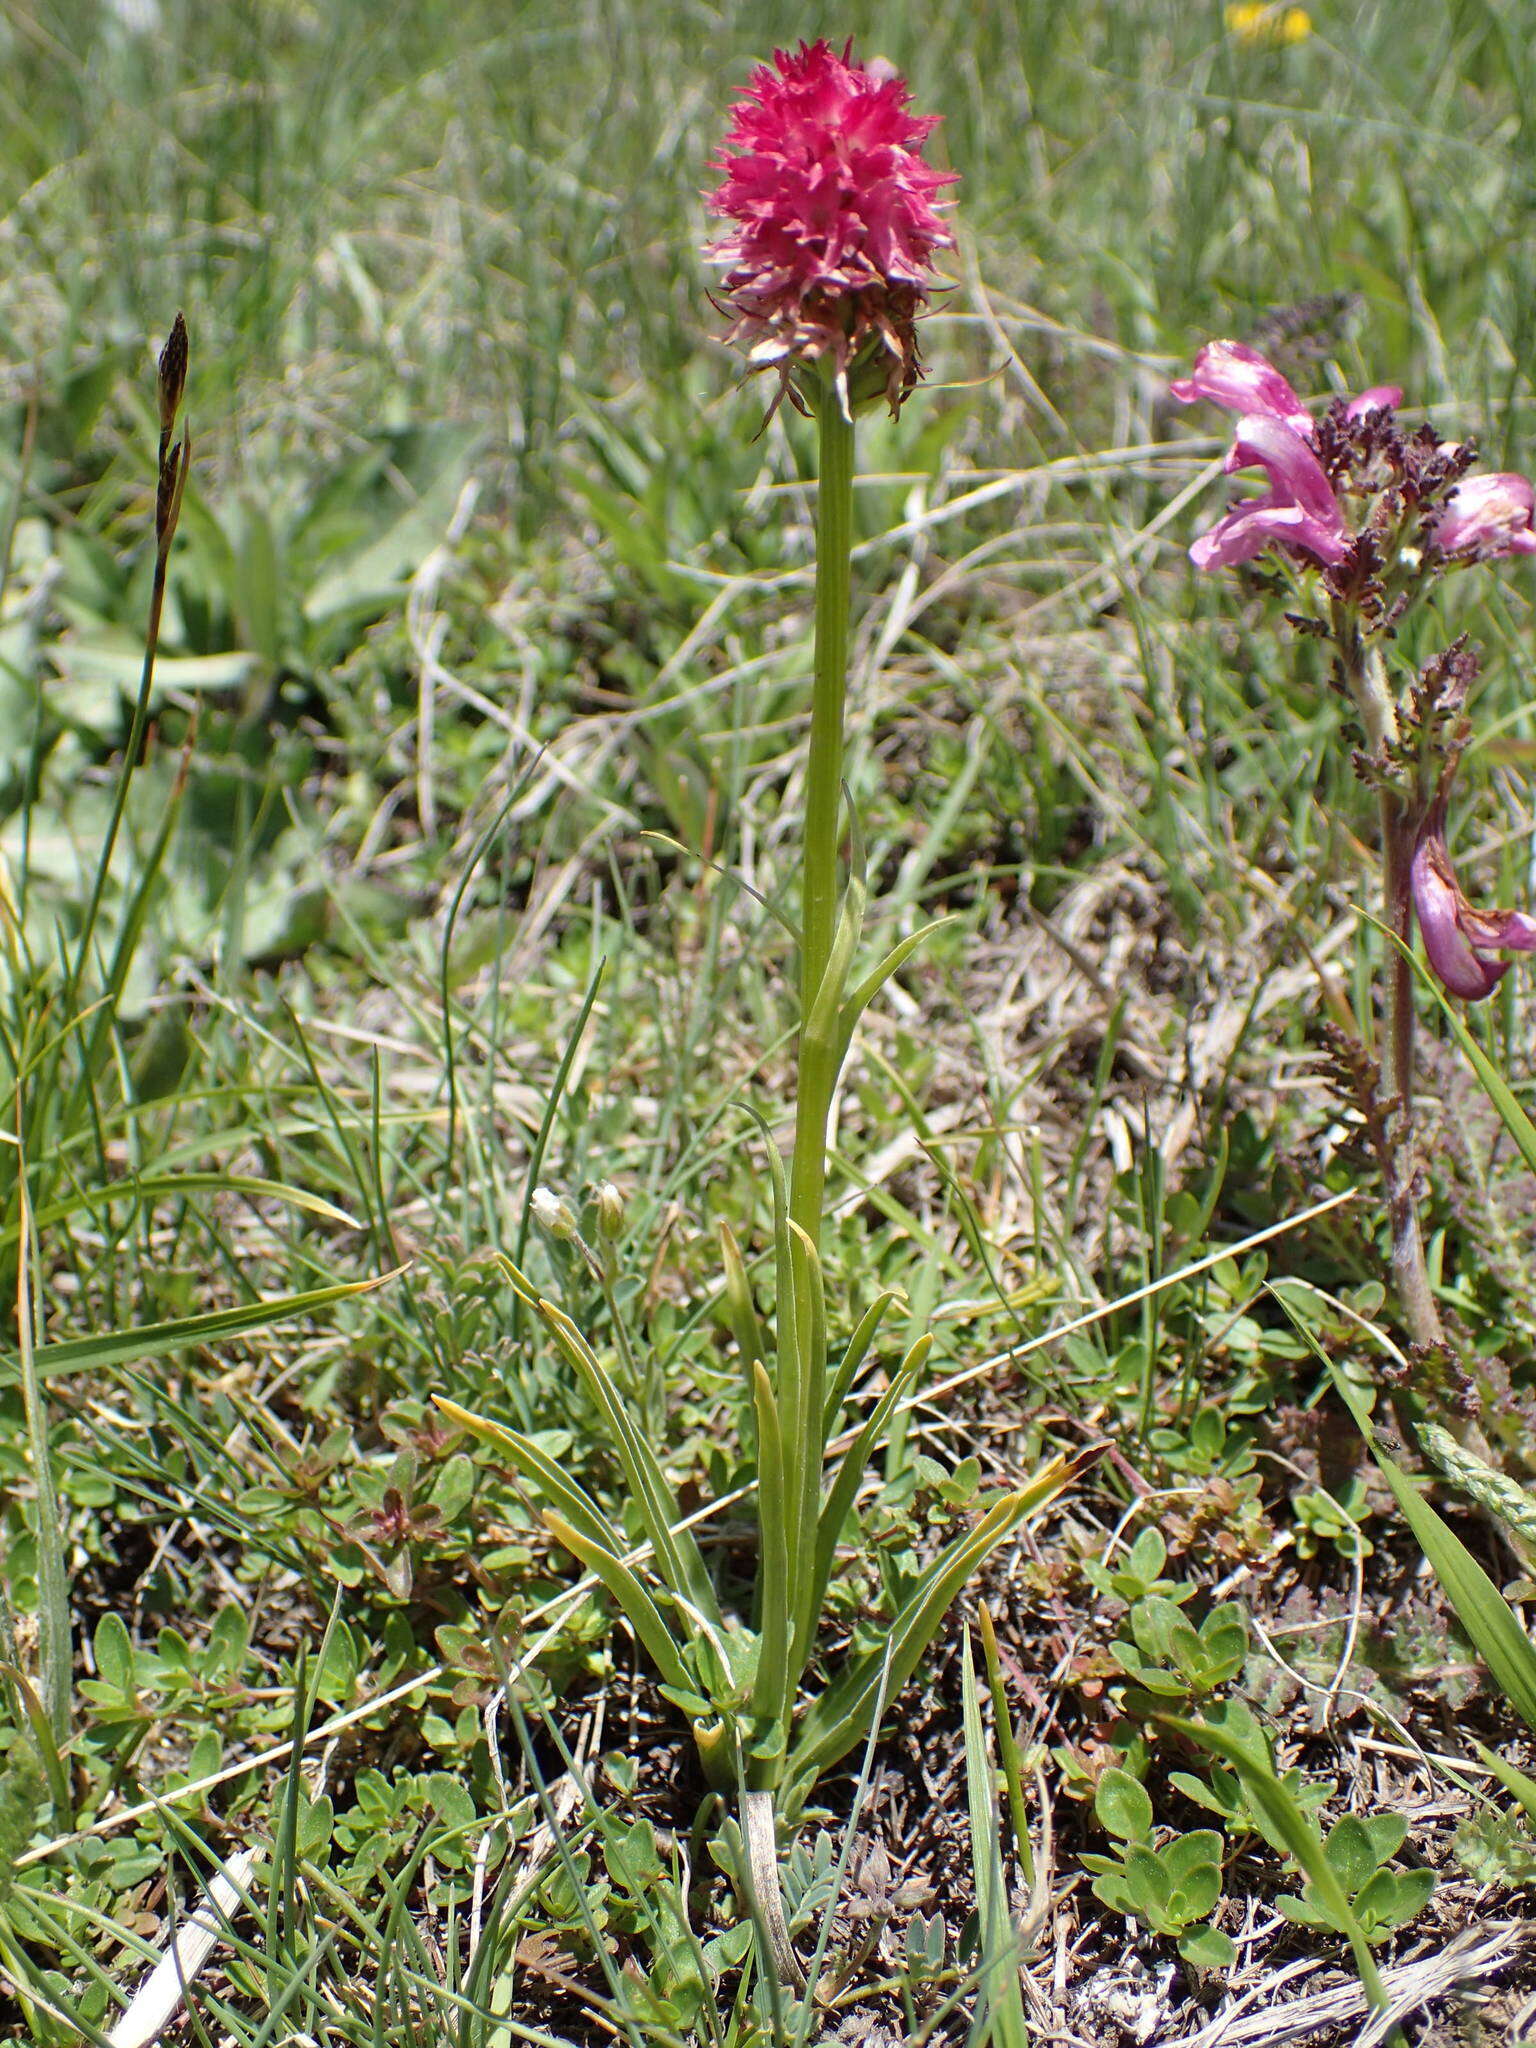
point(1368, 515)
point(819, 890)
point(1365, 678)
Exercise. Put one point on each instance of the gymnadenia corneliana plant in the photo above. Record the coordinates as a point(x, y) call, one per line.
point(834, 218)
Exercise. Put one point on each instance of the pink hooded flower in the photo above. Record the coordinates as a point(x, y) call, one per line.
point(1488, 516)
point(1380, 398)
point(835, 223)
point(1230, 373)
point(1300, 511)
point(1457, 938)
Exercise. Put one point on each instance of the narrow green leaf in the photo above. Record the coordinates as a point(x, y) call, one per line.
point(859, 999)
point(1008, 1747)
point(1520, 1788)
point(746, 1326)
point(774, 1686)
point(805, 1445)
point(564, 1493)
point(858, 1350)
point(841, 1716)
point(640, 1609)
point(1480, 1607)
point(845, 1487)
point(1511, 1113)
point(999, 1947)
point(155, 1340)
point(677, 1554)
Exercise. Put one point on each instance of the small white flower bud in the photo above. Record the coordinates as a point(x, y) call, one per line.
point(553, 1213)
point(609, 1204)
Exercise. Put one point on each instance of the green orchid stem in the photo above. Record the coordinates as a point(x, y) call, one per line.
point(818, 1055)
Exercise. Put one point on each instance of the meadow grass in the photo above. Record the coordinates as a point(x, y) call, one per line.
point(457, 864)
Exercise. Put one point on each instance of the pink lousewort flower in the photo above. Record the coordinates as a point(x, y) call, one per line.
point(1457, 938)
point(1300, 511)
point(835, 223)
point(1489, 515)
point(1230, 373)
point(1380, 398)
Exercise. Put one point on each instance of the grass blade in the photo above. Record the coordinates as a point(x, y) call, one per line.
point(998, 1942)
point(155, 1340)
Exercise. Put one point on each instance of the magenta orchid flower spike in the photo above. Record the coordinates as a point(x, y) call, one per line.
point(831, 254)
point(1488, 516)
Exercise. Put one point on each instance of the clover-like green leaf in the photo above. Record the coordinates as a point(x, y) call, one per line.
point(1122, 1807)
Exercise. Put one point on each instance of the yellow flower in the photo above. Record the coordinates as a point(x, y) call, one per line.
point(1265, 22)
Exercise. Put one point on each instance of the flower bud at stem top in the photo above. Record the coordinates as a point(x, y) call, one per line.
point(553, 1213)
point(609, 1204)
point(173, 374)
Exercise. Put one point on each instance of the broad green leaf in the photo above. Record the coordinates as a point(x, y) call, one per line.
point(114, 1654)
point(97, 684)
point(1349, 1852)
point(1151, 1886)
point(1387, 1833)
point(1240, 1745)
point(372, 576)
point(1394, 1897)
point(1196, 1892)
point(1207, 1948)
point(1123, 1807)
point(1187, 1853)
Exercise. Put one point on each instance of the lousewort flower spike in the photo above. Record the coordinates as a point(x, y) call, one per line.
point(1370, 514)
point(831, 254)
